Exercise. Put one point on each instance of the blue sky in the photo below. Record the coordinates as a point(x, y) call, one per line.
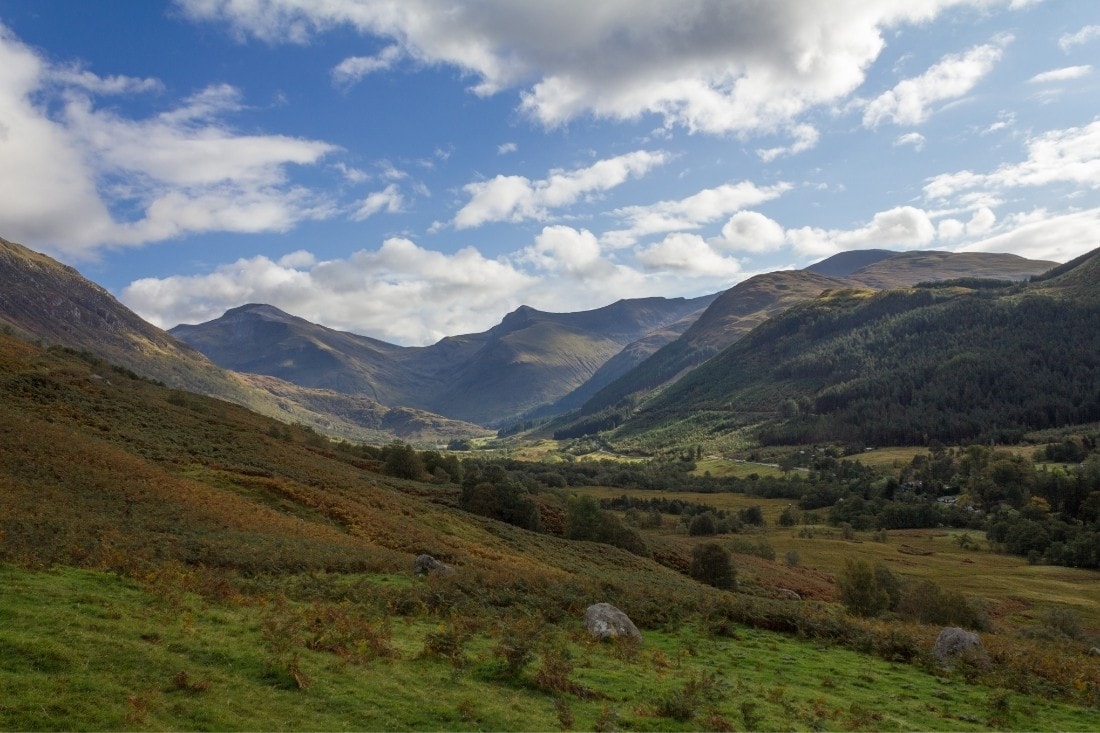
point(412, 169)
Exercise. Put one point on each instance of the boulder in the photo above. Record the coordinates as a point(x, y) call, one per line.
point(424, 564)
point(604, 621)
point(789, 594)
point(1095, 651)
point(953, 643)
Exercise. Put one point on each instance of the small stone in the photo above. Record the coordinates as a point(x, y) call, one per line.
point(424, 564)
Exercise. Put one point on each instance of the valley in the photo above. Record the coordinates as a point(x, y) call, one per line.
point(173, 560)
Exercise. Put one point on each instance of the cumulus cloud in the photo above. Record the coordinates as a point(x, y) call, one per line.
point(1065, 74)
point(564, 249)
point(750, 231)
point(911, 101)
point(505, 148)
point(693, 212)
point(689, 254)
point(416, 295)
point(1059, 156)
point(69, 164)
point(1039, 234)
point(517, 198)
point(707, 65)
point(1086, 34)
point(903, 227)
point(353, 69)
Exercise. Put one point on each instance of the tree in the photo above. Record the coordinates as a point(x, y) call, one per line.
point(710, 564)
point(402, 461)
point(860, 591)
point(702, 525)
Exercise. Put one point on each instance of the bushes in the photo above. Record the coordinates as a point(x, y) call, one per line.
point(710, 564)
point(859, 589)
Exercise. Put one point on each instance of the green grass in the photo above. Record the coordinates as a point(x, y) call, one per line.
point(87, 650)
point(722, 467)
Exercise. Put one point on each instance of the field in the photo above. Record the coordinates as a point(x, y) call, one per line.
point(956, 559)
point(89, 650)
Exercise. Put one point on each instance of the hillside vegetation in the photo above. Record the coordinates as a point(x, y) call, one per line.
point(252, 575)
point(958, 361)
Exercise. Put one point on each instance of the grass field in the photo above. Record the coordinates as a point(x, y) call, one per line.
point(88, 650)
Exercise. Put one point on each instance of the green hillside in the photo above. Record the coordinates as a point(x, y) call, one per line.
point(969, 360)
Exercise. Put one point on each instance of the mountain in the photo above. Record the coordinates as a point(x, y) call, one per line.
point(954, 362)
point(44, 300)
point(729, 317)
point(909, 268)
point(843, 264)
point(531, 358)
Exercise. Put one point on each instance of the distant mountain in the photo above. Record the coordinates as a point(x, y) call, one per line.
point(729, 317)
point(751, 302)
point(955, 362)
point(531, 358)
point(909, 268)
point(42, 299)
point(845, 263)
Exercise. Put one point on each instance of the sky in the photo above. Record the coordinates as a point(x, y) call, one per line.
point(413, 169)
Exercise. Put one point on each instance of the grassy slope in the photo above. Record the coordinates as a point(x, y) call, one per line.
point(88, 650)
point(229, 535)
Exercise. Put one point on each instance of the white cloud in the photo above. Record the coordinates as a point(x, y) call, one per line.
point(910, 138)
point(389, 200)
point(750, 231)
point(517, 198)
point(78, 77)
point(1041, 235)
point(805, 137)
point(910, 102)
point(950, 229)
point(687, 253)
point(566, 250)
point(1060, 156)
point(67, 164)
point(982, 221)
point(1065, 74)
point(505, 148)
point(693, 212)
point(707, 65)
point(1086, 34)
point(351, 70)
point(416, 295)
point(903, 227)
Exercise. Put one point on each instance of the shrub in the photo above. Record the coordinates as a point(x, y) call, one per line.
point(792, 558)
point(859, 590)
point(702, 525)
point(710, 564)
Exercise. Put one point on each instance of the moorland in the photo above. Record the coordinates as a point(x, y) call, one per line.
point(791, 523)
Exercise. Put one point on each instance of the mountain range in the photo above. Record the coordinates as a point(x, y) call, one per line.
point(532, 365)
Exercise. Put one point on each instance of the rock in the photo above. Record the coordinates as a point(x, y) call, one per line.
point(954, 642)
point(1095, 651)
point(424, 564)
point(789, 594)
point(604, 621)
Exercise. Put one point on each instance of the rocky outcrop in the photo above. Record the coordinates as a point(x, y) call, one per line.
point(604, 621)
point(955, 643)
